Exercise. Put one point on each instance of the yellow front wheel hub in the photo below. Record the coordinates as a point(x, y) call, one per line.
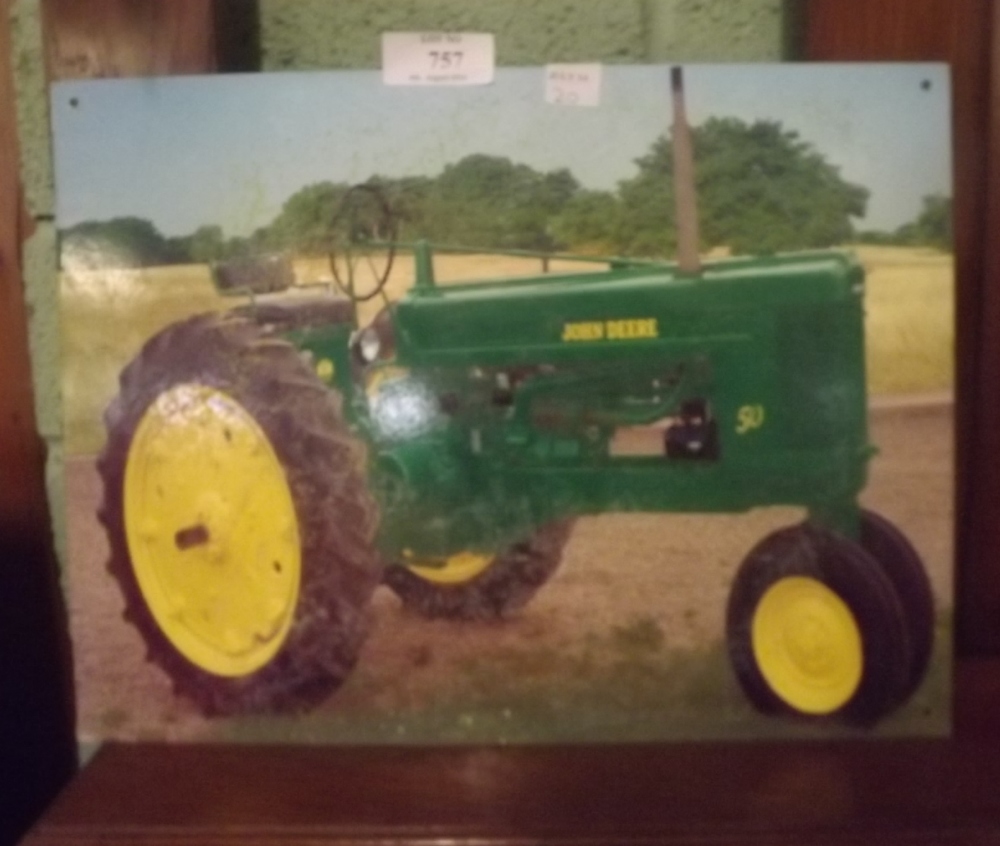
point(212, 530)
point(453, 570)
point(807, 645)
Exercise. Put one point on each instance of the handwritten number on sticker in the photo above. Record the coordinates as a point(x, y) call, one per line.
point(573, 85)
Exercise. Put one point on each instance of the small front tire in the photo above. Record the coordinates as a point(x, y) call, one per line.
point(903, 567)
point(815, 629)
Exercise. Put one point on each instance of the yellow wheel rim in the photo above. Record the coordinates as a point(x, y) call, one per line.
point(455, 569)
point(212, 530)
point(807, 645)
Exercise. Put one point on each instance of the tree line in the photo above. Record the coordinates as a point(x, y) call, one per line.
point(761, 189)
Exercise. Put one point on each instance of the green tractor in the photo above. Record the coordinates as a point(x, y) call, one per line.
point(267, 468)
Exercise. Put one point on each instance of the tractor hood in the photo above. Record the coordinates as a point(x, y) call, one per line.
point(622, 312)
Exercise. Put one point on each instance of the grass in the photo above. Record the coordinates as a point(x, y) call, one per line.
point(524, 695)
point(624, 687)
point(107, 315)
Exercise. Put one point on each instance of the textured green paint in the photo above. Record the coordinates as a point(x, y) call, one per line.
point(39, 252)
point(55, 485)
point(41, 285)
point(319, 34)
point(42, 297)
point(300, 34)
point(32, 107)
point(715, 30)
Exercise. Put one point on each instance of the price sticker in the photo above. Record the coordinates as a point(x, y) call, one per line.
point(573, 85)
point(437, 58)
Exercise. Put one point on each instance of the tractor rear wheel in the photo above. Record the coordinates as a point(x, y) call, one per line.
point(240, 528)
point(815, 629)
point(473, 586)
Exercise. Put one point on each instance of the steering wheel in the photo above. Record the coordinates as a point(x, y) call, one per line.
point(363, 242)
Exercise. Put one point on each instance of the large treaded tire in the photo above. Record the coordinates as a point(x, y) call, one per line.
point(509, 582)
point(849, 571)
point(323, 467)
point(902, 565)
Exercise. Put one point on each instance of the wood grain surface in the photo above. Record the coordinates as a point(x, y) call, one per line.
point(110, 38)
point(886, 792)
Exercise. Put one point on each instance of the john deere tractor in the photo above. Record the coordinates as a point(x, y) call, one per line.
point(268, 467)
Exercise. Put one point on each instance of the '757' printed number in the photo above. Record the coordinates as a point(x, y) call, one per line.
point(445, 59)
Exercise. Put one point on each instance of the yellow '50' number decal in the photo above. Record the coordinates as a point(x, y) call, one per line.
point(749, 417)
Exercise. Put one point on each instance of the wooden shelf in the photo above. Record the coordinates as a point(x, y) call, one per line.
point(844, 792)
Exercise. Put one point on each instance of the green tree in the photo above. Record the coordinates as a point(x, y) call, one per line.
point(760, 189)
point(588, 222)
point(304, 223)
point(408, 197)
point(876, 237)
point(119, 242)
point(207, 244)
point(489, 201)
point(932, 227)
point(237, 246)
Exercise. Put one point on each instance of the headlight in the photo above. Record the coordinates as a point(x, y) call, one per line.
point(402, 407)
point(369, 345)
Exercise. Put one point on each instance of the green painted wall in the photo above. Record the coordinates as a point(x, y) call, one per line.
point(323, 34)
point(310, 34)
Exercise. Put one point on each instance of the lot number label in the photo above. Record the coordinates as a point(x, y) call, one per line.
point(437, 58)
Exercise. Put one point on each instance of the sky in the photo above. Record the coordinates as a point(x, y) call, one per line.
point(230, 149)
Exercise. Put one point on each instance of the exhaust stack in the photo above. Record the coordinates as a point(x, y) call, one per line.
point(685, 199)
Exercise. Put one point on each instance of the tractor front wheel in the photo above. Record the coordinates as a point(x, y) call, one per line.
point(474, 586)
point(815, 629)
point(903, 567)
point(238, 519)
